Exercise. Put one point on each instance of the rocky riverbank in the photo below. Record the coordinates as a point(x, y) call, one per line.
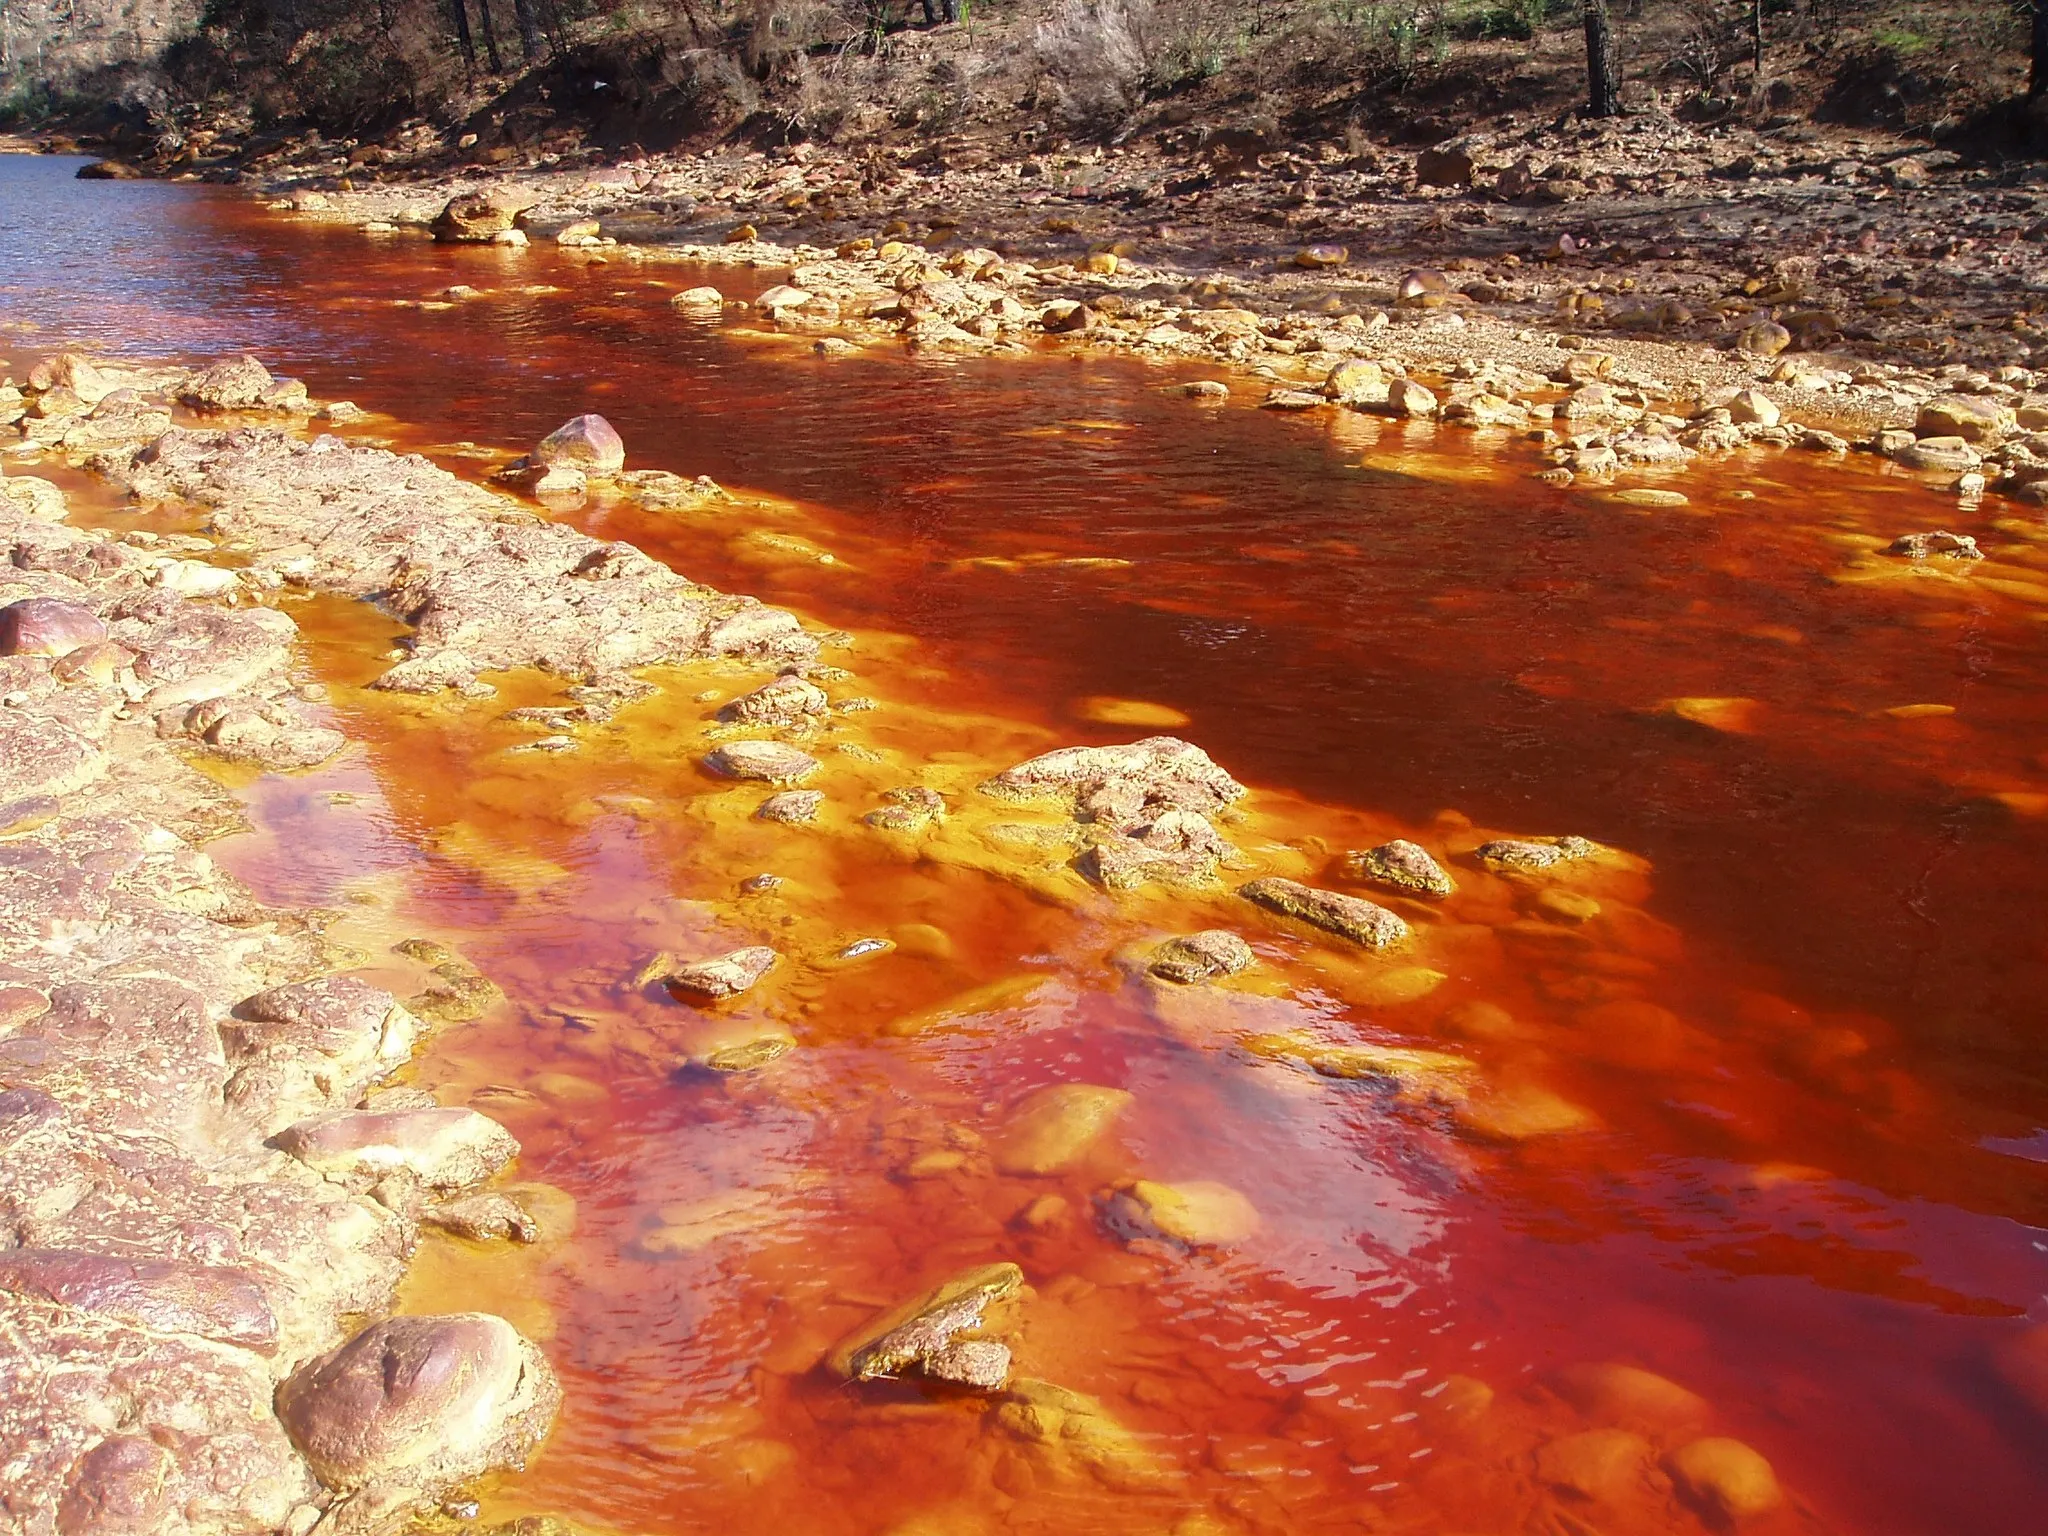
point(1629, 298)
point(206, 1185)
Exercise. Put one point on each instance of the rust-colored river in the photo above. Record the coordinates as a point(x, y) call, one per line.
point(1760, 1107)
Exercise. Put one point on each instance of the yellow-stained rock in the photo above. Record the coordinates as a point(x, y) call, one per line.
point(1199, 1213)
point(1523, 1113)
point(1604, 1465)
point(944, 1333)
point(1398, 1065)
point(1627, 1394)
point(1055, 1127)
point(1726, 1478)
point(1074, 1434)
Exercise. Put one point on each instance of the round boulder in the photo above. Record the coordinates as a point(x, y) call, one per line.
point(48, 626)
point(420, 1403)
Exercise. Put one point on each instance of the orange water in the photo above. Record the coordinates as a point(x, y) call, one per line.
point(1807, 1021)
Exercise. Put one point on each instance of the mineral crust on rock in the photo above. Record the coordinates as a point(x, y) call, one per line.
point(1348, 917)
point(941, 1335)
point(474, 573)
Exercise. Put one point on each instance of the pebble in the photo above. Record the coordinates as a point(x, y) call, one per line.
point(1628, 1394)
point(1604, 1465)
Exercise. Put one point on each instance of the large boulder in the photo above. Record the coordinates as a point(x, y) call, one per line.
point(239, 384)
point(1973, 418)
point(48, 626)
point(444, 1148)
point(415, 1405)
point(587, 443)
point(475, 218)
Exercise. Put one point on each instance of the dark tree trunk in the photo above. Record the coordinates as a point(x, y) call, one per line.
point(2037, 74)
point(490, 38)
point(529, 29)
point(1603, 87)
point(458, 12)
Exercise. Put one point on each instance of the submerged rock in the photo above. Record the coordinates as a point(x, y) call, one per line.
point(1198, 1214)
point(1348, 917)
point(1724, 1478)
point(1401, 866)
point(2022, 1364)
point(1204, 956)
point(943, 1335)
point(1627, 1394)
point(1522, 1113)
point(769, 762)
point(1399, 1066)
point(415, 1405)
point(1533, 853)
point(1055, 1127)
point(1604, 1465)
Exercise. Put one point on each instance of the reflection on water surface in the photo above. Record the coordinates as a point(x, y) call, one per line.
point(1790, 1047)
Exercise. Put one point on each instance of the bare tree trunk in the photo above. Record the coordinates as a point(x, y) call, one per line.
point(529, 29)
point(1756, 36)
point(1603, 87)
point(490, 38)
point(458, 12)
point(2037, 74)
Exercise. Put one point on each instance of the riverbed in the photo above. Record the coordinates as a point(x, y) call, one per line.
point(1796, 1013)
